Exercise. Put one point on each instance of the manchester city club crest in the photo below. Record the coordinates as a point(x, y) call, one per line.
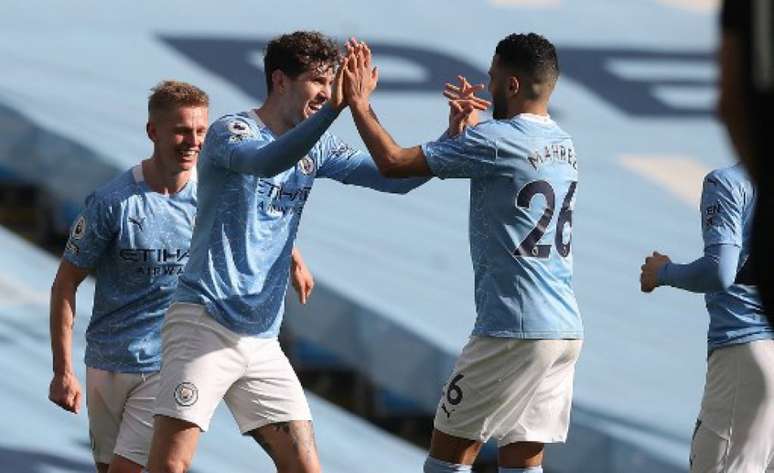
point(79, 229)
point(306, 165)
point(186, 394)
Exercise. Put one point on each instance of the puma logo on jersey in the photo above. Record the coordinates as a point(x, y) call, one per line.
point(137, 221)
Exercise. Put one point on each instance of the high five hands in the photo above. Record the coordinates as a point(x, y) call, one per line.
point(463, 105)
point(359, 76)
point(357, 79)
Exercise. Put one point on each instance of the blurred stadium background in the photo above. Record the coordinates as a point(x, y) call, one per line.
point(394, 303)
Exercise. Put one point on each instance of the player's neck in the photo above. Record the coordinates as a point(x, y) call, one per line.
point(161, 181)
point(271, 115)
point(533, 107)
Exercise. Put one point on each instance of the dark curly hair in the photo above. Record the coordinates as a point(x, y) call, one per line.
point(531, 55)
point(298, 52)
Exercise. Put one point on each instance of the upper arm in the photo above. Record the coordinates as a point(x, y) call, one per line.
point(69, 276)
point(471, 154)
point(225, 137)
point(91, 233)
point(722, 210)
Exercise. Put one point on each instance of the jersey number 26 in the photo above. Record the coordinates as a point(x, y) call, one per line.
point(530, 247)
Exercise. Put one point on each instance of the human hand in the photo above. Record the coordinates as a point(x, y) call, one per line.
point(463, 105)
point(650, 270)
point(301, 277)
point(360, 77)
point(337, 89)
point(65, 392)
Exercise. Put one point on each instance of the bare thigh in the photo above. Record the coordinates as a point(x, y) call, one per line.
point(290, 445)
point(173, 445)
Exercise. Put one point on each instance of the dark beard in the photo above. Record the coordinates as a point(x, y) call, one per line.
point(500, 107)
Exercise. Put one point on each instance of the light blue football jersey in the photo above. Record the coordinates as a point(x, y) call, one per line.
point(241, 246)
point(727, 208)
point(523, 176)
point(136, 242)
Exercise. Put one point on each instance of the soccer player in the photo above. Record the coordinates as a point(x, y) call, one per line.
point(513, 381)
point(735, 428)
point(219, 339)
point(745, 104)
point(134, 235)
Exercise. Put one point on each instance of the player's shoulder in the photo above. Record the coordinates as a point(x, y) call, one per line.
point(542, 125)
point(116, 190)
point(238, 123)
point(728, 178)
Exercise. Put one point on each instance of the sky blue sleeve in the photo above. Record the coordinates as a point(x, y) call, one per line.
point(721, 212)
point(348, 165)
point(91, 234)
point(715, 271)
point(468, 155)
point(238, 148)
point(721, 220)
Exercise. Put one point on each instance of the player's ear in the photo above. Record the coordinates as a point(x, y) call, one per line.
point(150, 129)
point(279, 80)
point(513, 85)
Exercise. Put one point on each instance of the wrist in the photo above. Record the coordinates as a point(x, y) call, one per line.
point(361, 105)
point(662, 277)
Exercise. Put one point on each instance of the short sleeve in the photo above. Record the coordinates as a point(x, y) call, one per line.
point(227, 134)
point(91, 233)
point(721, 212)
point(471, 154)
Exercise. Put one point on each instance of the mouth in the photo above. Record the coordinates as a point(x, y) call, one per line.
point(188, 154)
point(314, 108)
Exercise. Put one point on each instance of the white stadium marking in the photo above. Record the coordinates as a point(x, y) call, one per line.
point(12, 293)
point(700, 6)
point(526, 3)
point(680, 175)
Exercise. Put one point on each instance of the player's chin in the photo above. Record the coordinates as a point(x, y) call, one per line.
point(186, 163)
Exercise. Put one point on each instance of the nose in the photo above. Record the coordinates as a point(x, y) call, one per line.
point(192, 139)
point(325, 92)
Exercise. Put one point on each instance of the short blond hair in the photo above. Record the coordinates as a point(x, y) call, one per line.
point(170, 94)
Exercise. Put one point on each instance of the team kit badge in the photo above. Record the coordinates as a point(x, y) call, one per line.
point(186, 394)
point(306, 165)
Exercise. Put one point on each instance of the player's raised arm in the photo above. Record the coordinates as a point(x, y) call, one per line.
point(360, 79)
point(266, 160)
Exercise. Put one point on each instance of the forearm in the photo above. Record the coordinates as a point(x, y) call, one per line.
point(62, 318)
point(366, 174)
point(386, 153)
point(715, 271)
point(283, 153)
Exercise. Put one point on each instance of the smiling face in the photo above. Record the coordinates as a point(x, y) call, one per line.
point(177, 136)
point(308, 92)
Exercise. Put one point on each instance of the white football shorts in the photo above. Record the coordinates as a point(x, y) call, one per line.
point(120, 407)
point(735, 429)
point(204, 362)
point(511, 390)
